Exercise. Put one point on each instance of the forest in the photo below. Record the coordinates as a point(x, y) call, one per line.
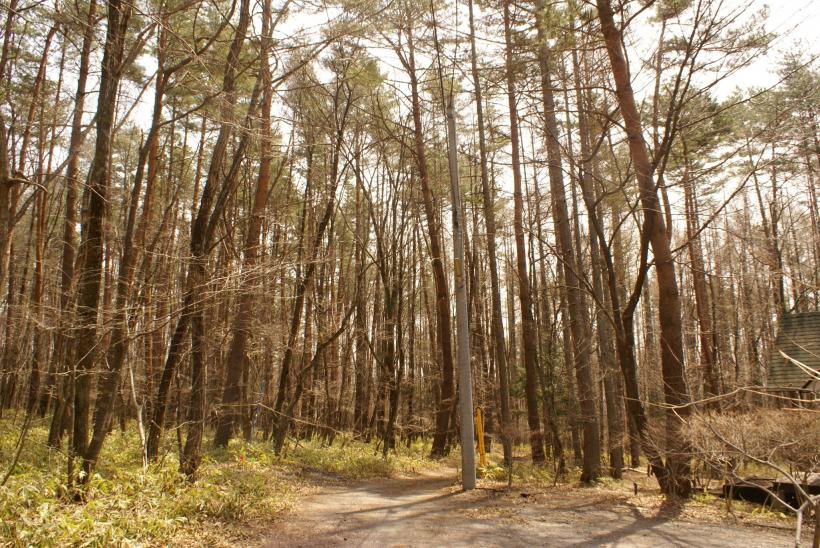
point(243, 238)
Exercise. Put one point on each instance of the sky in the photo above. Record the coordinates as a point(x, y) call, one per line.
point(796, 24)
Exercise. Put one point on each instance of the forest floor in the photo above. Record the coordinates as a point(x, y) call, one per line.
point(430, 509)
point(239, 492)
point(319, 495)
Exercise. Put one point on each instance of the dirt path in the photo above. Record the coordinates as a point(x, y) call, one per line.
point(432, 511)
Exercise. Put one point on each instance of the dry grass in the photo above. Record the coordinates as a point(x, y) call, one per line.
point(239, 492)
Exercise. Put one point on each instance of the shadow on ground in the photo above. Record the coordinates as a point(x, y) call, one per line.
point(433, 511)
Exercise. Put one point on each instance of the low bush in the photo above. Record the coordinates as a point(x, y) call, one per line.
point(237, 493)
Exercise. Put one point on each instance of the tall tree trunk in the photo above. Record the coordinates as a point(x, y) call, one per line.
point(90, 257)
point(575, 306)
point(237, 360)
point(497, 326)
point(201, 231)
point(527, 320)
point(699, 283)
point(282, 419)
point(606, 350)
point(363, 360)
point(677, 477)
point(109, 381)
point(443, 323)
point(38, 351)
point(63, 345)
point(6, 183)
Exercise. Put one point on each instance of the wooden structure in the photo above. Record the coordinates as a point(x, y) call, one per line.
point(757, 490)
point(786, 490)
point(794, 365)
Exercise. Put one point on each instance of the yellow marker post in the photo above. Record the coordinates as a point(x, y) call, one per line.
point(479, 427)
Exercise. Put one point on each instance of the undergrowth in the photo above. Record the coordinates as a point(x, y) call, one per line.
point(237, 492)
point(354, 459)
point(524, 472)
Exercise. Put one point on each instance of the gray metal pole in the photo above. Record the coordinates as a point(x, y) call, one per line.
point(465, 382)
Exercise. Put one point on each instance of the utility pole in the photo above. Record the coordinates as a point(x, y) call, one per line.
point(465, 382)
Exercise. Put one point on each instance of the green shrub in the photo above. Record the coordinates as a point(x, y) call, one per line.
point(355, 459)
point(237, 489)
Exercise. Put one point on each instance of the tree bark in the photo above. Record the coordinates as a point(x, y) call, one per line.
point(606, 350)
point(201, 231)
point(443, 323)
point(569, 263)
point(237, 360)
point(63, 346)
point(527, 320)
point(497, 325)
point(90, 257)
point(677, 479)
point(699, 282)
